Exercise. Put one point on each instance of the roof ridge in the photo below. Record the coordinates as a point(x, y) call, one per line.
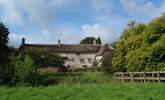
point(62, 44)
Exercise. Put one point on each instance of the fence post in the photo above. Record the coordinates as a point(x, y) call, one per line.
point(158, 74)
point(132, 76)
point(122, 76)
point(141, 77)
point(153, 78)
point(114, 77)
point(144, 76)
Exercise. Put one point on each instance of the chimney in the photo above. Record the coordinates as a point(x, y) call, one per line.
point(23, 41)
point(94, 42)
point(59, 42)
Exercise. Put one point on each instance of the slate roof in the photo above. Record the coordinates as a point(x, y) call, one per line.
point(104, 49)
point(63, 48)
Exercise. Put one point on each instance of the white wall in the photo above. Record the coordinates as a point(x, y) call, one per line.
point(76, 63)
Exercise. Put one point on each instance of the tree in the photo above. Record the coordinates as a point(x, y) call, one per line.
point(131, 24)
point(107, 61)
point(141, 47)
point(90, 40)
point(4, 49)
point(4, 55)
point(98, 40)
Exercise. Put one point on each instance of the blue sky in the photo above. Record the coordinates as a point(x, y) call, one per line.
point(46, 21)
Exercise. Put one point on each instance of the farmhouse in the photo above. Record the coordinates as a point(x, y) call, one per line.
point(78, 55)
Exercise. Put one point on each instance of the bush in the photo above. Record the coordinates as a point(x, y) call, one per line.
point(42, 58)
point(106, 65)
point(24, 69)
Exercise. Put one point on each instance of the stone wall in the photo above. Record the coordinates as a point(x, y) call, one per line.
point(79, 60)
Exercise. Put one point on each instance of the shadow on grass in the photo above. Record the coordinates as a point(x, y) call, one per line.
point(62, 74)
point(72, 78)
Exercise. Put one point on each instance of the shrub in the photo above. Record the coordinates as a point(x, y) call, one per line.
point(42, 58)
point(24, 69)
point(106, 65)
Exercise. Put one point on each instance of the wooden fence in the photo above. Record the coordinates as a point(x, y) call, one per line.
point(139, 76)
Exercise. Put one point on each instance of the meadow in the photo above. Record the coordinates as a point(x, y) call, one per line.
point(85, 86)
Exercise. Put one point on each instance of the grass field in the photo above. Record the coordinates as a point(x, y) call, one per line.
point(86, 87)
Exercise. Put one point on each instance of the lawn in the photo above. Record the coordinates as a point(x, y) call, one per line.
point(86, 87)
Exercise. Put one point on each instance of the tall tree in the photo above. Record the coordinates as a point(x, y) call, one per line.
point(98, 40)
point(4, 54)
point(4, 49)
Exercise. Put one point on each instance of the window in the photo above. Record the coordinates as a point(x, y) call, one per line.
point(72, 60)
point(89, 60)
point(82, 60)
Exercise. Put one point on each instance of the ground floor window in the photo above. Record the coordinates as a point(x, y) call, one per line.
point(89, 60)
point(82, 60)
point(72, 59)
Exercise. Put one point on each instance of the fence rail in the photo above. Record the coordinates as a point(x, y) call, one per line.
point(139, 76)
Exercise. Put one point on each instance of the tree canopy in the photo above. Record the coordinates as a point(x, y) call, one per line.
point(141, 47)
point(5, 70)
point(90, 40)
point(4, 49)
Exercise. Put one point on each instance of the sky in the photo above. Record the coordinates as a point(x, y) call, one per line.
point(46, 21)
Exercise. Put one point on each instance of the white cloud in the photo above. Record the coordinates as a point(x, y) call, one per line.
point(68, 35)
point(95, 30)
point(41, 14)
point(28, 15)
point(145, 9)
point(102, 5)
point(38, 12)
point(31, 12)
point(10, 12)
point(15, 39)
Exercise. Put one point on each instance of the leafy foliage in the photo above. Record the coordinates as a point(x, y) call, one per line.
point(98, 40)
point(4, 49)
point(89, 40)
point(44, 59)
point(4, 55)
point(23, 69)
point(141, 47)
point(107, 61)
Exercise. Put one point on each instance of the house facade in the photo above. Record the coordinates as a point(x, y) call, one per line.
point(78, 55)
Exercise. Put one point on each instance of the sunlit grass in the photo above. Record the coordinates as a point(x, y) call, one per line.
point(87, 87)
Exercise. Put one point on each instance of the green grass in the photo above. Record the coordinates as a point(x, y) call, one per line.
point(97, 91)
point(77, 77)
point(88, 86)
